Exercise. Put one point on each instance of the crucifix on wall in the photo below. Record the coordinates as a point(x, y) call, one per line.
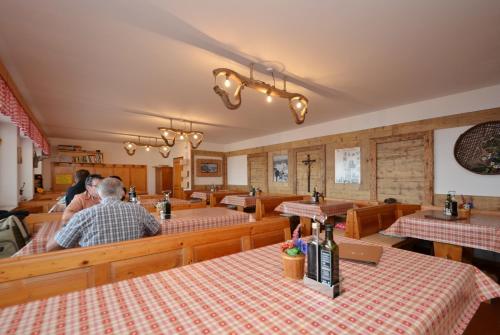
point(308, 163)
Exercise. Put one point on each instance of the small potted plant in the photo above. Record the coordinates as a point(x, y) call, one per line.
point(293, 255)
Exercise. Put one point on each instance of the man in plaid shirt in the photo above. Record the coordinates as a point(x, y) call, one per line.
point(110, 221)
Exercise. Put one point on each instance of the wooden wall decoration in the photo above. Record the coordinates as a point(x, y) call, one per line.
point(478, 149)
point(403, 168)
point(316, 153)
point(206, 167)
point(257, 171)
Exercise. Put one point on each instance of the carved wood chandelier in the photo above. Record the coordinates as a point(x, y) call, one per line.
point(296, 102)
point(131, 146)
point(169, 135)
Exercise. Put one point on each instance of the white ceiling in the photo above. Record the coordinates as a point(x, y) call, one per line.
point(89, 67)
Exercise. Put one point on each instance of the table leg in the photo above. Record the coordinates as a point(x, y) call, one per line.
point(448, 251)
point(306, 225)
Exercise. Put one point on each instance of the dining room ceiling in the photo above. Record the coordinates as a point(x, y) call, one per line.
point(94, 69)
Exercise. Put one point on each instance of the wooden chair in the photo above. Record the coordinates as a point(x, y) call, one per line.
point(28, 278)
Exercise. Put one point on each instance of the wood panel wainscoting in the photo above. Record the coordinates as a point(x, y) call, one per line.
point(257, 171)
point(131, 175)
point(28, 278)
point(366, 139)
point(402, 167)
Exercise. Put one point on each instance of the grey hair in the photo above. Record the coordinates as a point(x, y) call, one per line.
point(110, 188)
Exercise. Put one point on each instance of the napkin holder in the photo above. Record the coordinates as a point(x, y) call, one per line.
point(329, 291)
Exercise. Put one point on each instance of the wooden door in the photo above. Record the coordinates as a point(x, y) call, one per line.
point(257, 171)
point(123, 172)
point(403, 168)
point(177, 178)
point(164, 179)
point(317, 156)
point(139, 178)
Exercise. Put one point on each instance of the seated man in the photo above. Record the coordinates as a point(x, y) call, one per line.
point(110, 221)
point(84, 200)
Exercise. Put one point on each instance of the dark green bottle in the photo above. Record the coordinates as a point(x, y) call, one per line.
point(329, 260)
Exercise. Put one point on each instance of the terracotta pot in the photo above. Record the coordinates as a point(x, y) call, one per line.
point(293, 266)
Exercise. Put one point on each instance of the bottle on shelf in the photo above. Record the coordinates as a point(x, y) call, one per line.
point(132, 195)
point(313, 254)
point(447, 205)
point(454, 205)
point(166, 208)
point(329, 261)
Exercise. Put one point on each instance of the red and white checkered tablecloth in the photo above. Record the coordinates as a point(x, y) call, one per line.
point(239, 200)
point(480, 231)
point(322, 210)
point(245, 293)
point(154, 201)
point(212, 218)
point(38, 243)
point(200, 195)
point(182, 222)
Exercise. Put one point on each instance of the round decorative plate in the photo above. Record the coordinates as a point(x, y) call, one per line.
point(478, 149)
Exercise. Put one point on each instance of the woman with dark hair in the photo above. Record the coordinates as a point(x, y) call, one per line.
point(78, 187)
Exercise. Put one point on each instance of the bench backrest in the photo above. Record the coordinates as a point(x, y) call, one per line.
point(264, 206)
point(27, 278)
point(370, 220)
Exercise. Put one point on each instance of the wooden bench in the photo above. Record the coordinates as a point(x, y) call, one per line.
point(33, 222)
point(36, 206)
point(357, 203)
point(216, 197)
point(365, 223)
point(264, 206)
point(28, 278)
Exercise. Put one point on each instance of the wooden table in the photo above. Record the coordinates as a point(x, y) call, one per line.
point(308, 210)
point(245, 293)
point(182, 221)
point(480, 231)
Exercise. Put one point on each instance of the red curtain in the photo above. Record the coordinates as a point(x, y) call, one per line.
point(10, 107)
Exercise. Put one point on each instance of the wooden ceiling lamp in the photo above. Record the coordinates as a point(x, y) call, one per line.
point(131, 146)
point(234, 82)
point(169, 135)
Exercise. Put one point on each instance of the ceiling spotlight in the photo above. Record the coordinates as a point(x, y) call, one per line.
point(181, 137)
point(148, 148)
point(269, 98)
point(164, 151)
point(227, 82)
point(298, 105)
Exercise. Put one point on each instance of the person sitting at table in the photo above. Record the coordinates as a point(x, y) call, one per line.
point(84, 200)
point(124, 189)
point(78, 187)
point(110, 221)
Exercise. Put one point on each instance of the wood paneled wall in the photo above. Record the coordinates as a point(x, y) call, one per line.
point(367, 140)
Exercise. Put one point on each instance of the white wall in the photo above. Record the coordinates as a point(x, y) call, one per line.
point(8, 165)
point(26, 170)
point(450, 176)
point(470, 101)
point(237, 170)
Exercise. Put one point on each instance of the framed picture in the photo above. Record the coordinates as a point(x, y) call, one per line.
point(208, 168)
point(280, 168)
point(348, 166)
